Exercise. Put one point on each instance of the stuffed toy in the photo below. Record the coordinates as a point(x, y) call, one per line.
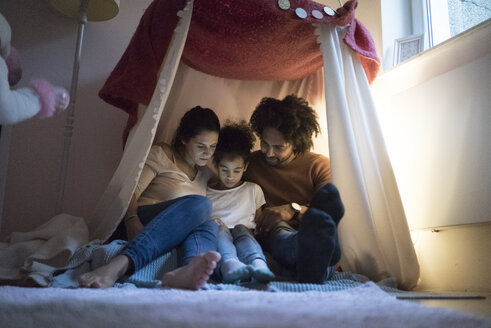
point(40, 98)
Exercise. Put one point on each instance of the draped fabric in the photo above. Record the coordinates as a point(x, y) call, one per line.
point(246, 40)
point(374, 234)
point(234, 99)
point(114, 202)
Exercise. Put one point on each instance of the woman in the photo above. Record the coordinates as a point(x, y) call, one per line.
point(169, 209)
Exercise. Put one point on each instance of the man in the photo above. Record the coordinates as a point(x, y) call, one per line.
point(298, 225)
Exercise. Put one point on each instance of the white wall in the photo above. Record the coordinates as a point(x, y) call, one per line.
point(46, 41)
point(434, 112)
point(435, 115)
point(455, 259)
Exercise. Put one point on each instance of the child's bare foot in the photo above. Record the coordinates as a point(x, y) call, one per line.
point(194, 274)
point(105, 276)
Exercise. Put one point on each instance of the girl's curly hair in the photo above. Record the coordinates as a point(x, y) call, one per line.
point(292, 116)
point(235, 140)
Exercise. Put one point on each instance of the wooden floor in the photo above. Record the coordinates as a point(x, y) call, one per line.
point(481, 307)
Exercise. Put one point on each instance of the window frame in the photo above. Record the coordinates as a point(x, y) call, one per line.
point(424, 22)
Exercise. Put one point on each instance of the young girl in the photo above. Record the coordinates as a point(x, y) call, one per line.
point(235, 204)
point(169, 209)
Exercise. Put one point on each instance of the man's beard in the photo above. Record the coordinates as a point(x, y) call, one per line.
point(275, 161)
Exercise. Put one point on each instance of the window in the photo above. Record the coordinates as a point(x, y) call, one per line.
point(436, 20)
point(447, 18)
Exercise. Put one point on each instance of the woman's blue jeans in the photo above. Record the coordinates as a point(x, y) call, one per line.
point(183, 222)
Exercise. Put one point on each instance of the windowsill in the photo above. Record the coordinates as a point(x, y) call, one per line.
point(442, 58)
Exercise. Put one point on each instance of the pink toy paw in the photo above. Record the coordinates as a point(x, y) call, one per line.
point(14, 66)
point(62, 98)
point(52, 98)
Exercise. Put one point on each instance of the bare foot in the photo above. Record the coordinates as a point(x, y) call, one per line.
point(105, 276)
point(194, 274)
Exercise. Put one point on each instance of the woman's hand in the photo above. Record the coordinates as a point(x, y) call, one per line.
point(271, 216)
point(133, 227)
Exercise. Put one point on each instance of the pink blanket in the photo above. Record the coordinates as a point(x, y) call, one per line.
point(247, 40)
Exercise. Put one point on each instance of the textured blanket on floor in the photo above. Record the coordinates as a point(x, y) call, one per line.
point(94, 255)
point(35, 254)
point(363, 306)
point(348, 300)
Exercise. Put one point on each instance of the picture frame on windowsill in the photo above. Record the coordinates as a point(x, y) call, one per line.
point(407, 47)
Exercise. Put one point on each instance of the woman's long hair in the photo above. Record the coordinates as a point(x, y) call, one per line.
point(194, 121)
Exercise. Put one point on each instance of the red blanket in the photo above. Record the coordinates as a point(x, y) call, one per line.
point(248, 40)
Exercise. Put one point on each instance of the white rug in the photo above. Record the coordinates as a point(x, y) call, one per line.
point(364, 306)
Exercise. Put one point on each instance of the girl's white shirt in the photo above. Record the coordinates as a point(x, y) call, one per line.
point(237, 205)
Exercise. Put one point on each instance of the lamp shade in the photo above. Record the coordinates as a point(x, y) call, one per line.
point(97, 10)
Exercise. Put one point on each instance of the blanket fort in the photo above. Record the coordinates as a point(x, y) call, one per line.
point(245, 40)
point(184, 54)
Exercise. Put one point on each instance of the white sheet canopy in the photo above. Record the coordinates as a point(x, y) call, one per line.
point(374, 234)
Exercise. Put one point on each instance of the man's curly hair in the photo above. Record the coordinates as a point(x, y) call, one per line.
point(292, 116)
point(235, 140)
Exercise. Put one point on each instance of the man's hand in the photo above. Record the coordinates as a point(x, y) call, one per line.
point(133, 227)
point(271, 216)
